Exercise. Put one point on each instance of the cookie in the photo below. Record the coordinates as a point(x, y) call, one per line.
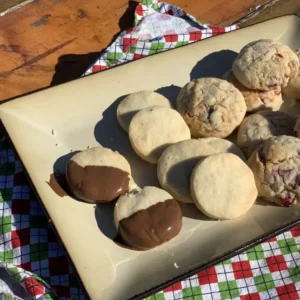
point(135, 102)
point(257, 100)
point(223, 186)
point(177, 162)
point(155, 128)
point(260, 126)
point(292, 90)
point(147, 218)
point(211, 107)
point(98, 175)
point(265, 65)
point(276, 168)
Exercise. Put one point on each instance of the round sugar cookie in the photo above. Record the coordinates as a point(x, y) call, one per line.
point(147, 218)
point(211, 107)
point(257, 100)
point(98, 175)
point(265, 65)
point(292, 90)
point(177, 162)
point(135, 102)
point(260, 126)
point(155, 128)
point(276, 168)
point(223, 186)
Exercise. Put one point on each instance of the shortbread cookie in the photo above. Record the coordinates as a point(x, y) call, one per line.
point(257, 100)
point(98, 175)
point(155, 128)
point(147, 218)
point(223, 186)
point(135, 102)
point(292, 90)
point(211, 107)
point(259, 127)
point(265, 65)
point(276, 168)
point(177, 162)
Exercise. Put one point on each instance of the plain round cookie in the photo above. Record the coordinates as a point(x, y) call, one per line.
point(135, 102)
point(177, 162)
point(265, 65)
point(292, 90)
point(276, 168)
point(147, 218)
point(98, 175)
point(211, 107)
point(223, 186)
point(260, 126)
point(257, 100)
point(155, 128)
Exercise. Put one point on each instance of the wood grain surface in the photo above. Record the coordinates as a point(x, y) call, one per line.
point(6, 4)
point(48, 42)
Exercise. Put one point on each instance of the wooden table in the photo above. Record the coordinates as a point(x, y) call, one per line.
point(48, 42)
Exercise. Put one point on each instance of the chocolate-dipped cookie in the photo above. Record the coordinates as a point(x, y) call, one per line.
point(147, 218)
point(98, 175)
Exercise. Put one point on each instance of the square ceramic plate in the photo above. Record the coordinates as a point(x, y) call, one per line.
point(46, 126)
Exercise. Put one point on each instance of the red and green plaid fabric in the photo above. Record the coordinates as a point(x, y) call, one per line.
point(32, 262)
point(270, 270)
point(30, 254)
point(159, 26)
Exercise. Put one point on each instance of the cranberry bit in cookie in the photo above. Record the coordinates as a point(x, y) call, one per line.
point(273, 86)
point(287, 200)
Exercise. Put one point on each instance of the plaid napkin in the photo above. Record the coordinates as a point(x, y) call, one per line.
point(32, 262)
point(158, 27)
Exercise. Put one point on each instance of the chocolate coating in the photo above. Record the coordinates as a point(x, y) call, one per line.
point(153, 226)
point(97, 183)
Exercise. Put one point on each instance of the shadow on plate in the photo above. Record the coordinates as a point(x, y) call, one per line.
point(189, 210)
point(170, 92)
point(104, 214)
point(57, 181)
point(214, 65)
point(263, 202)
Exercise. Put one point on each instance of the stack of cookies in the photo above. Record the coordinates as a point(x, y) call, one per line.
point(197, 162)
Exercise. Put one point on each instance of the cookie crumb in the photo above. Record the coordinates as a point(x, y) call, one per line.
point(57, 145)
point(53, 132)
point(88, 147)
point(175, 265)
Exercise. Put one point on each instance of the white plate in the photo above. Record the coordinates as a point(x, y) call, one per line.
point(82, 113)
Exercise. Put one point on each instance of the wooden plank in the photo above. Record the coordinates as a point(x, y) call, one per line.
point(6, 4)
point(53, 41)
